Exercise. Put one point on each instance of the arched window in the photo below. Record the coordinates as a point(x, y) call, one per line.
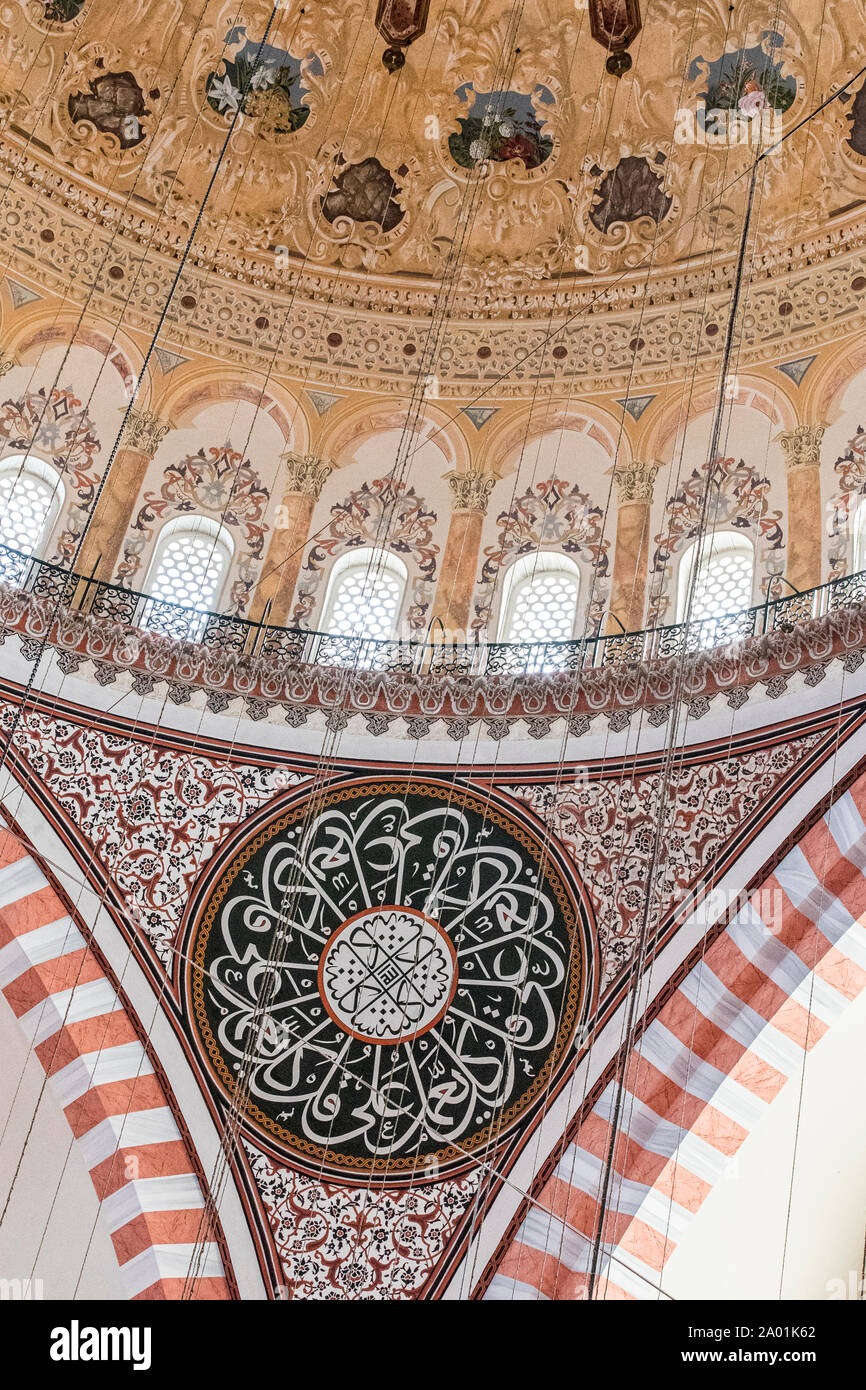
point(188, 569)
point(539, 599)
point(726, 563)
point(364, 595)
point(31, 496)
point(858, 556)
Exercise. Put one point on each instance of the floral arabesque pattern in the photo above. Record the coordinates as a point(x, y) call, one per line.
point(221, 483)
point(739, 499)
point(851, 471)
point(56, 425)
point(152, 817)
point(551, 515)
point(379, 513)
point(364, 1243)
point(609, 828)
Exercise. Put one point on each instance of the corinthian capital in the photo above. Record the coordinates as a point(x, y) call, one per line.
point(470, 491)
point(802, 445)
point(306, 474)
point(144, 431)
point(635, 481)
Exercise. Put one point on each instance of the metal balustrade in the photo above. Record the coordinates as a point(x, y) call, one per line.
point(441, 657)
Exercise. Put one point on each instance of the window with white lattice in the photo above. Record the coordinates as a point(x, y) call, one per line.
point(188, 571)
point(31, 496)
point(725, 564)
point(365, 594)
point(539, 599)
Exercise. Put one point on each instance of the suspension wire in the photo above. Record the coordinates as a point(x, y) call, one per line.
point(741, 652)
point(308, 817)
point(8, 743)
point(243, 1080)
point(733, 315)
point(608, 1173)
point(713, 451)
point(163, 708)
point(731, 735)
point(625, 776)
point(482, 1196)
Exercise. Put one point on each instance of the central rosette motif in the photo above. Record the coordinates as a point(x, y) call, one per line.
point(388, 975)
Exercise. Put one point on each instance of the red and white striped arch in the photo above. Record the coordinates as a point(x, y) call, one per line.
point(89, 1045)
point(715, 1056)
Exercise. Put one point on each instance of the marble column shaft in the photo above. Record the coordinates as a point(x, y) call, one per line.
point(631, 556)
point(108, 524)
point(459, 568)
point(303, 481)
point(802, 449)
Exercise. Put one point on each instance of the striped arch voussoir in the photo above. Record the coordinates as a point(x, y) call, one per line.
point(717, 1053)
point(89, 1046)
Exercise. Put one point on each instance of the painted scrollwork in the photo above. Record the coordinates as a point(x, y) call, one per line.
point(217, 481)
point(739, 497)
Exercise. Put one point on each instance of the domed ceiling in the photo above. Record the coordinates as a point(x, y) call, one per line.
point(537, 192)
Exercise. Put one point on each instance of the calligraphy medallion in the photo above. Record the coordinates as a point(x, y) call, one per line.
point(388, 975)
point(385, 976)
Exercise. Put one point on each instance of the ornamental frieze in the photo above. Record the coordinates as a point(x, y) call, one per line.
point(542, 150)
point(599, 344)
point(498, 705)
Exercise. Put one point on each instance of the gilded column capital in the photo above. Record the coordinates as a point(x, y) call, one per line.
point(144, 432)
point(802, 445)
point(7, 363)
point(635, 481)
point(306, 474)
point(470, 491)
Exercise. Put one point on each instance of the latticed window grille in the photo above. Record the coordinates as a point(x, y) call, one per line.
point(540, 599)
point(723, 583)
point(26, 499)
point(544, 609)
point(365, 607)
point(188, 570)
point(365, 596)
point(30, 497)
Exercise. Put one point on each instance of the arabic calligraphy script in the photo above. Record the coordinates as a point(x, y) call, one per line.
point(389, 979)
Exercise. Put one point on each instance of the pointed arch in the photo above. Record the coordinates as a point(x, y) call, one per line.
point(99, 1064)
point(719, 1050)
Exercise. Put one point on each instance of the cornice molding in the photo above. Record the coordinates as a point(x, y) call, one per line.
point(377, 316)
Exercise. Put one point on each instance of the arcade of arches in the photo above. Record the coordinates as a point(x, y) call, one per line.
point(433, 614)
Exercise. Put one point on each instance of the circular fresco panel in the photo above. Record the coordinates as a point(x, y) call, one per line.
point(387, 976)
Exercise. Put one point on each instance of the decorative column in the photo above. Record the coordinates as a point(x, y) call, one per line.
point(802, 448)
point(470, 493)
point(108, 523)
point(304, 478)
point(631, 558)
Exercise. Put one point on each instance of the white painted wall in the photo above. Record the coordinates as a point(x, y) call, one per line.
point(736, 1246)
point(52, 1230)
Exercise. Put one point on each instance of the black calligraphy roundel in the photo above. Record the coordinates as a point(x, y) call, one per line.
point(387, 976)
